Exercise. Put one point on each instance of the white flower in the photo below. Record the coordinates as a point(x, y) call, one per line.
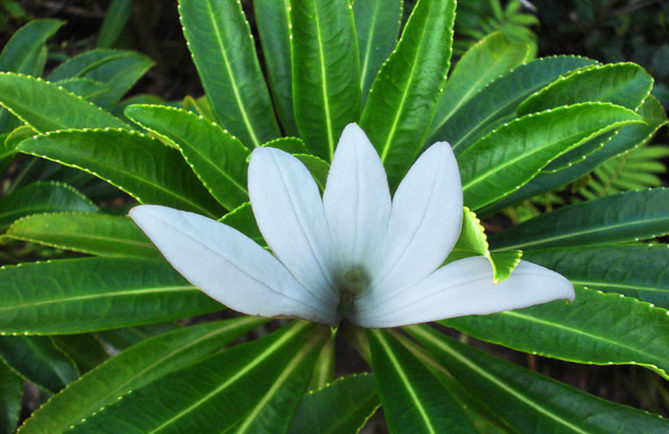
point(354, 253)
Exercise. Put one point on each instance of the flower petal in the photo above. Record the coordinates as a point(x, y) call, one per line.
point(357, 200)
point(288, 209)
point(227, 265)
point(462, 288)
point(425, 221)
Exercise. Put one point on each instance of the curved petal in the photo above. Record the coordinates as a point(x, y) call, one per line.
point(357, 200)
point(288, 208)
point(425, 221)
point(228, 266)
point(462, 288)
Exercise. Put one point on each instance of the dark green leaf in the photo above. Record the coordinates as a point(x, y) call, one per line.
point(292, 145)
point(89, 294)
point(317, 167)
point(80, 64)
point(116, 18)
point(11, 394)
point(122, 338)
point(242, 219)
point(22, 52)
point(120, 73)
point(85, 350)
point(84, 87)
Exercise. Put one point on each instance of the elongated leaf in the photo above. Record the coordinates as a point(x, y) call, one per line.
point(255, 387)
point(497, 102)
point(514, 153)
point(84, 87)
point(317, 167)
point(120, 73)
point(596, 328)
point(116, 18)
point(11, 393)
point(42, 197)
point(530, 402)
point(622, 217)
point(377, 24)
point(85, 350)
point(401, 103)
point(95, 234)
point(411, 402)
point(80, 64)
point(623, 84)
point(89, 294)
point(135, 163)
point(274, 29)
point(629, 137)
point(22, 52)
point(47, 107)
point(483, 63)
point(638, 271)
point(39, 361)
point(339, 407)
point(217, 158)
point(121, 339)
point(292, 145)
point(222, 47)
point(134, 368)
point(325, 71)
point(242, 219)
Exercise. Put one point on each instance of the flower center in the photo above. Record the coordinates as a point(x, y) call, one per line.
point(352, 283)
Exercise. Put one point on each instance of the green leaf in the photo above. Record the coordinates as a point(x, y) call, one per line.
point(324, 367)
point(242, 219)
point(629, 137)
point(117, 16)
point(84, 87)
point(622, 217)
point(496, 103)
point(596, 328)
point(122, 338)
point(222, 47)
point(342, 406)
point(217, 158)
point(528, 401)
point(292, 145)
point(317, 167)
point(254, 387)
point(95, 234)
point(377, 24)
point(325, 71)
point(638, 271)
point(22, 52)
point(42, 197)
point(624, 84)
point(273, 21)
point(88, 294)
point(411, 402)
point(135, 163)
point(46, 106)
point(11, 394)
point(80, 64)
point(85, 350)
point(514, 153)
point(401, 103)
point(120, 73)
point(134, 368)
point(483, 63)
point(39, 361)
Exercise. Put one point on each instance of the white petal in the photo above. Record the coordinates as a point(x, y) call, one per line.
point(425, 221)
point(227, 265)
point(461, 288)
point(288, 208)
point(357, 200)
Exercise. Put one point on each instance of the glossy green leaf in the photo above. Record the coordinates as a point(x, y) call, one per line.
point(11, 394)
point(629, 137)
point(483, 63)
point(342, 406)
point(39, 361)
point(84, 349)
point(597, 328)
point(623, 84)
point(120, 339)
point(325, 72)
point(84, 87)
point(638, 271)
point(22, 52)
point(217, 158)
point(137, 164)
point(317, 167)
point(116, 18)
point(411, 402)
point(401, 103)
point(95, 234)
point(324, 367)
point(497, 102)
point(242, 219)
point(134, 368)
point(251, 388)
point(80, 64)
point(622, 217)
point(40, 197)
point(222, 47)
point(514, 153)
point(530, 402)
point(46, 106)
point(274, 29)
point(292, 145)
point(120, 73)
point(89, 294)
point(377, 24)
